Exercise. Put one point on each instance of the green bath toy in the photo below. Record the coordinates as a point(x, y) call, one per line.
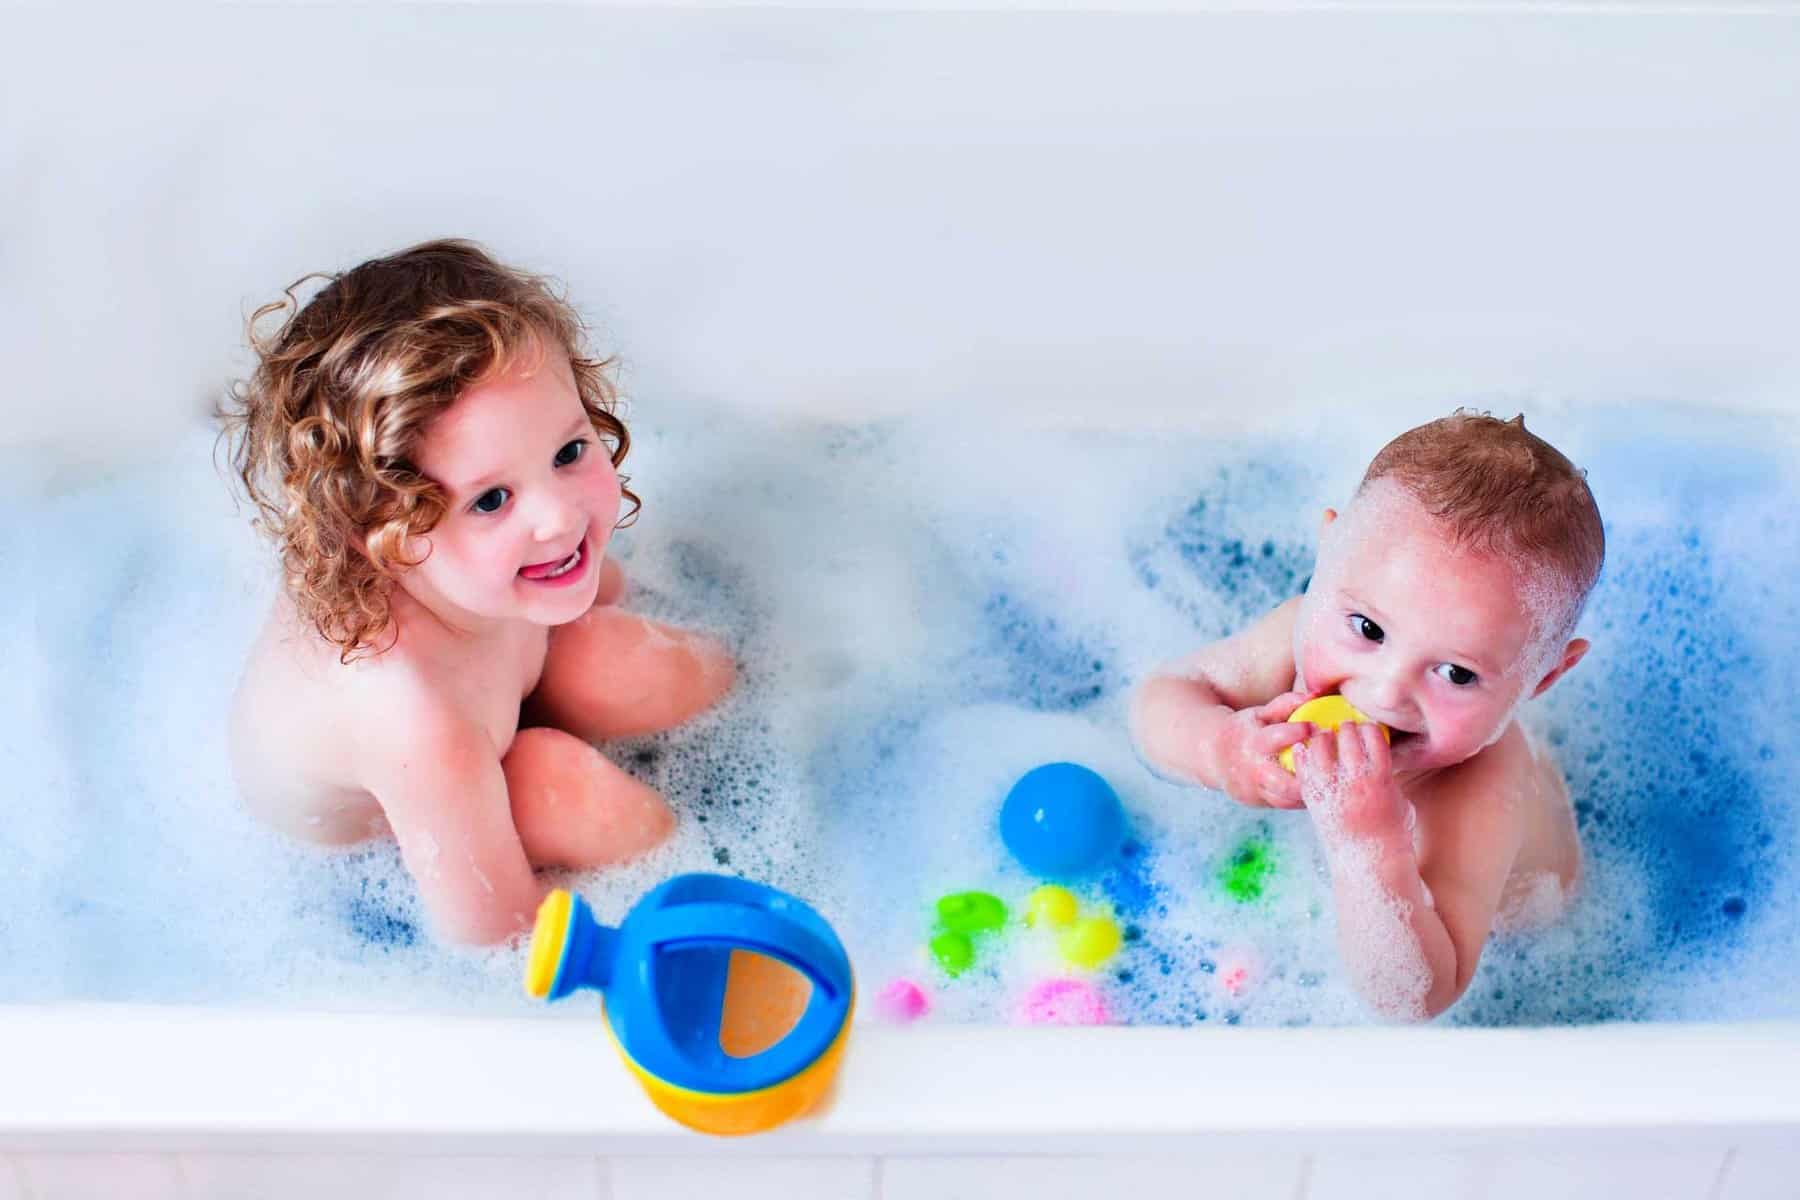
point(954, 952)
point(961, 918)
point(971, 913)
point(1247, 872)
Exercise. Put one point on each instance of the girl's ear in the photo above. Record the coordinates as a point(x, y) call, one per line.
point(1572, 654)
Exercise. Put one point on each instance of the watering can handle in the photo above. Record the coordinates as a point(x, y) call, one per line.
point(757, 930)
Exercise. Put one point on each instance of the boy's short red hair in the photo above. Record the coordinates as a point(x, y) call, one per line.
point(1502, 490)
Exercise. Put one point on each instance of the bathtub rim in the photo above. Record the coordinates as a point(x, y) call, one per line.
point(118, 1077)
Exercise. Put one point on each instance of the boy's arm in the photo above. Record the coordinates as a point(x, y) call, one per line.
point(1413, 912)
point(439, 782)
point(1469, 836)
point(1177, 713)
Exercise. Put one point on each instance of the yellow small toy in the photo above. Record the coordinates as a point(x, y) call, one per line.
point(1328, 712)
point(1090, 941)
point(1084, 942)
point(729, 1000)
point(1051, 906)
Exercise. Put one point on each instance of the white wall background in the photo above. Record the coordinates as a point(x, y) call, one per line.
point(1151, 216)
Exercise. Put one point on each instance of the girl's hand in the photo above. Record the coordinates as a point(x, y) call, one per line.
point(1347, 781)
point(1245, 751)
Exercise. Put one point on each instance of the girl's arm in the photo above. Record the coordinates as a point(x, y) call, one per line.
point(439, 782)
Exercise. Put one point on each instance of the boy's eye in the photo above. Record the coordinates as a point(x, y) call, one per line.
point(571, 452)
point(490, 501)
point(1460, 676)
point(1366, 627)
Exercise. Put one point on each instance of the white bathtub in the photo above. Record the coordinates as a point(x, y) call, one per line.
point(1243, 216)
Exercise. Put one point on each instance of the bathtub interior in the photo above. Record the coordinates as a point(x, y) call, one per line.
point(977, 363)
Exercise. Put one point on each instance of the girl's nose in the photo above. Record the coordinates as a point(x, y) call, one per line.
point(554, 519)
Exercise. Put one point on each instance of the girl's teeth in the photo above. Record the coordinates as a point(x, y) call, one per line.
point(567, 565)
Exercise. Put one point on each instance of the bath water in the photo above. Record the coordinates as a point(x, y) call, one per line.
point(924, 612)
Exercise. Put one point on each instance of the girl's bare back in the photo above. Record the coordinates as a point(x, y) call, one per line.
point(303, 723)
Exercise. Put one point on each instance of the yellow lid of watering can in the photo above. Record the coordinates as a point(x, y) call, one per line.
point(548, 941)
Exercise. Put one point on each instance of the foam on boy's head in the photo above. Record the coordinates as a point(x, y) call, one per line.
point(1390, 550)
point(1503, 490)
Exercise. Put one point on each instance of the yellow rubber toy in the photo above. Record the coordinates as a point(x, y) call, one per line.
point(1051, 906)
point(1328, 712)
point(1090, 941)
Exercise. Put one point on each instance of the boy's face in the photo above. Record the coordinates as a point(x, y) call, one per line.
point(1433, 641)
point(533, 499)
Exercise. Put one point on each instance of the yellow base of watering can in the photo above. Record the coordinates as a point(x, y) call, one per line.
point(731, 1114)
point(730, 1001)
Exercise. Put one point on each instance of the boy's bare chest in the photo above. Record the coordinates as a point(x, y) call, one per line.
point(1516, 778)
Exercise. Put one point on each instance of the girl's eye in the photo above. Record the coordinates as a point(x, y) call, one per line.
point(1366, 627)
point(490, 501)
point(571, 452)
point(1460, 676)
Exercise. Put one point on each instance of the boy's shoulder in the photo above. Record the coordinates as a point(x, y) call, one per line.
point(1255, 664)
point(1493, 778)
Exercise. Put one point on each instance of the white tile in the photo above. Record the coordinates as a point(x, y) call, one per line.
point(743, 1178)
point(1240, 1176)
point(1643, 1173)
point(12, 1179)
point(98, 1176)
point(1504, 1172)
point(380, 1176)
point(1352, 1176)
point(1762, 1173)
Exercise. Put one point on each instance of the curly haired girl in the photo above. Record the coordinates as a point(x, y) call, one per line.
point(436, 461)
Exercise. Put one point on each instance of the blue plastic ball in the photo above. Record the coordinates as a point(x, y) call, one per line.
point(1061, 820)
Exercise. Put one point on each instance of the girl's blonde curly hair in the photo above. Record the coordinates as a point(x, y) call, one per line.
point(324, 432)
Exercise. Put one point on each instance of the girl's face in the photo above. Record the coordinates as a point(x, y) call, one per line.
point(533, 501)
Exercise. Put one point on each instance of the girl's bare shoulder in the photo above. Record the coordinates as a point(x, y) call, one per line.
point(298, 682)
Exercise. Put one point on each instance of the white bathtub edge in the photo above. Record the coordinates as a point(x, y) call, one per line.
point(117, 1077)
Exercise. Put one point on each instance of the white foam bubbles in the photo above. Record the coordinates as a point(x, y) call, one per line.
point(921, 615)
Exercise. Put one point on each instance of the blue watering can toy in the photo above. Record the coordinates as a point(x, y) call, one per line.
point(729, 1000)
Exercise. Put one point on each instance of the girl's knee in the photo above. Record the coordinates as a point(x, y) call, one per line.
point(612, 583)
point(616, 674)
point(574, 808)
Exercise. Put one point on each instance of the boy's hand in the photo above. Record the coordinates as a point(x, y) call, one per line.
point(1347, 780)
point(1246, 748)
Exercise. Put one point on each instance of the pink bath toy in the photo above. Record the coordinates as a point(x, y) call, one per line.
point(1063, 1002)
point(1238, 970)
point(903, 1001)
